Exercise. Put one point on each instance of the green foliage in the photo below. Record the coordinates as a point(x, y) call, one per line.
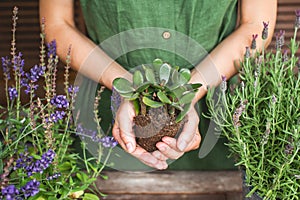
point(158, 85)
point(260, 117)
point(30, 129)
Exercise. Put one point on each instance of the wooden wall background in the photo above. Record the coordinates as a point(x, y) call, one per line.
point(28, 29)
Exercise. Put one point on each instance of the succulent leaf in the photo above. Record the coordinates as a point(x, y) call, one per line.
point(138, 78)
point(177, 106)
point(164, 73)
point(143, 87)
point(183, 113)
point(157, 63)
point(187, 98)
point(175, 76)
point(185, 73)
point(179, 91)
point(151, 103)
point(122, 86)
point(150, 76)
point(163, 97)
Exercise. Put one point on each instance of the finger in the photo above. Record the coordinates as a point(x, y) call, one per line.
point(149, 159)
point(188, 132)
point(159, 155)
point(195, 143)
point(125, 123)
point(116, 135)
point(169, 149)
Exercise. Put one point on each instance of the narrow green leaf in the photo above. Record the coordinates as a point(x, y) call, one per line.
point(174, 76)
point(122, 85)
point(150, 76)
point(164, 73)
point(127, 95)
point(151, 103)
point(163, 97)
point(183, 113)
point(177, 106)
point(196, 85)
point(89, 196)
point(185, 73)
point(138, 79)
point(187, 98)
point(136, 106)
point(143, 87)
point(157, 63)
point(179, 91)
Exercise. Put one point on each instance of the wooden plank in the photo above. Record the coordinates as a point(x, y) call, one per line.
point(171, 182)
point(166, 197)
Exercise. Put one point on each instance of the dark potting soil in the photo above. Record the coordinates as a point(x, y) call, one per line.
point(152, 127)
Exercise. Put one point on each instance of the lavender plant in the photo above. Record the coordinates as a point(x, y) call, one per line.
point(260, 117)
point(37, 159)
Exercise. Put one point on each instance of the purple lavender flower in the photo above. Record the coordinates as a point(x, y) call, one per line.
point(6, 67)
point(285, 57)
point(54, 176)
point(51, 49)
point(27, 163)
point(35, 73)
point(23, 161)
point(265, 31)
point(60, 101)
point(115, 102)
point(238, 113)
point(73, 90)
point(223, 85)
point(12, 92)
point(253, 43)
point(247, 53)
point(10, 192)
point(109, 142)
point(297, 20)
point(54, 117)
point(279, 40)
point(31, 188)
point(18, 64)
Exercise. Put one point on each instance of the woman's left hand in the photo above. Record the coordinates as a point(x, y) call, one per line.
point(189, 139)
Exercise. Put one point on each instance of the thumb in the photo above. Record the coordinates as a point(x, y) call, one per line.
point(126, 116)
point(188, 132)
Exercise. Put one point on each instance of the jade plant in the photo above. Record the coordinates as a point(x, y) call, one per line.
point(158, 86)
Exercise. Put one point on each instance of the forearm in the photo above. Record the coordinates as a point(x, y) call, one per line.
point(86, 57)
point(225, 58)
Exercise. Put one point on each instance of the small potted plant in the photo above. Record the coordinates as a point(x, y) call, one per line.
point(161, 96)
point(260, 117)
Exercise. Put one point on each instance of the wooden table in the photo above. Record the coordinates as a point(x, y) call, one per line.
point(163, 185)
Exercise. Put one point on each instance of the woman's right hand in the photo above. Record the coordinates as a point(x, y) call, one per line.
point(123, 133)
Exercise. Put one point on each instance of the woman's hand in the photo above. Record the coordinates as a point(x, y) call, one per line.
point(123, 133)
point(189, 139)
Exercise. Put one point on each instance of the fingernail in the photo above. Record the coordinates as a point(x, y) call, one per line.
point(182, 145)
point(129, 147)
point(162, 148)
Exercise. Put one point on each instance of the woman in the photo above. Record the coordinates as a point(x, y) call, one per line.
point(211, 23)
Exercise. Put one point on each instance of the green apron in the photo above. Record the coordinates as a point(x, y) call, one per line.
point(207, 22)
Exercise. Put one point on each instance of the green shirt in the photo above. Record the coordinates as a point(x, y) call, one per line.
point(160, 24)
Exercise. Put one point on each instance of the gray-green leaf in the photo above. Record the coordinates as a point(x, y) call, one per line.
point(164, 72)
point(138, 78)
point(151, 103)
point(163, 97)
point(183, 113)
point(157, 63)
point(185, 73)
point(150, 76)
point(187, 98)
point(122, 85)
